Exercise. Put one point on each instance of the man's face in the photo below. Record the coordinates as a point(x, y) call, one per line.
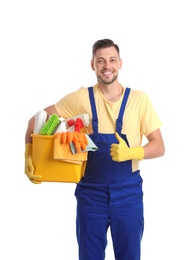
point(106, 64)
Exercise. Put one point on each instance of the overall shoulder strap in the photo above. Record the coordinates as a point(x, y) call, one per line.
point(119, 121)
point(94, 112)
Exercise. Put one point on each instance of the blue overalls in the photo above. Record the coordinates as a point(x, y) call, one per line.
point(109, 195)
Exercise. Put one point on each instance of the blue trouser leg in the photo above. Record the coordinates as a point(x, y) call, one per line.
point(92, 223)
point(91, 235)
point(126, 239)
point(126, 236)
point(126, 221)
point(118, 206)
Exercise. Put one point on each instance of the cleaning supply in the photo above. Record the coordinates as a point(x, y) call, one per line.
point(63, 152)
point(89, 147)
point(29, 167)
point(52, 156)
point(79, 140)
point(65, 137)
point(50, 126)
point(121, 152)
point(40, 120)
point(76, 123)
point(54, 161)
point(61, 127)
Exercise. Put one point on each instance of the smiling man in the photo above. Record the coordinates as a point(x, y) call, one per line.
point(110, 193)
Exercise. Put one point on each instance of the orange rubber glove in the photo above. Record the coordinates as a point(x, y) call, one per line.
point(79, 140)
point(29, 167)
point(121, 152)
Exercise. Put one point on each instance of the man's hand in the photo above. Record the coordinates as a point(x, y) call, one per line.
point(29, 167)
point(121, 152)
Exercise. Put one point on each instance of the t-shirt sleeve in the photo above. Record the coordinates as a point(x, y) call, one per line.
point(73, 103)
point(150, 121)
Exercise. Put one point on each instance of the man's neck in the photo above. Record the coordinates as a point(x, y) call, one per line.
point(111, 92)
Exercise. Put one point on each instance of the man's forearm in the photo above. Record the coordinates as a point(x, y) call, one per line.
point(29, 131)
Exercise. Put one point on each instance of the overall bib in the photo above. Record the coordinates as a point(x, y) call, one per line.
point(109, 196)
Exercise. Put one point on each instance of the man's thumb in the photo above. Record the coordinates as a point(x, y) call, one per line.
point(118, 137)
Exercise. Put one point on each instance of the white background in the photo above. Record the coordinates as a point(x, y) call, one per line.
point(45, 53)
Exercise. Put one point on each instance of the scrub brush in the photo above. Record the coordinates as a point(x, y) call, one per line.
point(50, 126)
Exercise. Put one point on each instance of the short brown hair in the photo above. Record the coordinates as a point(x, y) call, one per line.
point(105, 43)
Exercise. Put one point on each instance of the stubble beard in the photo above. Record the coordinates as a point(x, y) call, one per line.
point(107, 81)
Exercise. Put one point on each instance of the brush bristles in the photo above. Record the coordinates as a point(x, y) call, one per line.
point(50, 126)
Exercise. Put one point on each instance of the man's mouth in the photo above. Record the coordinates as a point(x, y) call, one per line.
point(107, 73)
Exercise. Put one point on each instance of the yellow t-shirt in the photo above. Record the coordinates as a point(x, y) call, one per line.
point(139, 119)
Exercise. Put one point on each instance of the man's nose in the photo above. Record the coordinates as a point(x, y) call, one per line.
point(106, 64)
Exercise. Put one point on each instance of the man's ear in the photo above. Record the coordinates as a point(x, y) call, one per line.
point(121, 62)
point(92, 65)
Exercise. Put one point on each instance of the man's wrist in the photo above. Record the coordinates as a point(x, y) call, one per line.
point(137, 153)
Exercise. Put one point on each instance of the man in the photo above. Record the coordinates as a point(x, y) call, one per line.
point(110, 194)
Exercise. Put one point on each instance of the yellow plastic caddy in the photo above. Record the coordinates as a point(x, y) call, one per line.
point(55, 170)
